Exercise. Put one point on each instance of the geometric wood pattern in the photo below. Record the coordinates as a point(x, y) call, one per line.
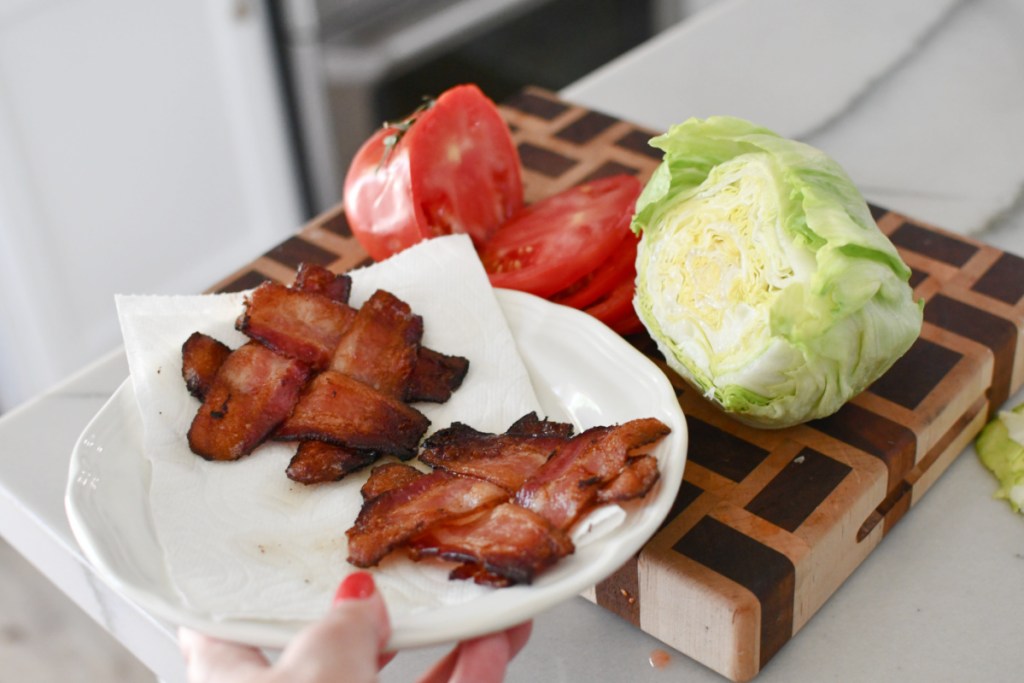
point(768, 523)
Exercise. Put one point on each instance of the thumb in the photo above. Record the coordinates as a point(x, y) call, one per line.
point(348, 640)
point(212, 659)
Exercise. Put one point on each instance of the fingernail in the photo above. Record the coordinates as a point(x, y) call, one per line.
point(355, 586)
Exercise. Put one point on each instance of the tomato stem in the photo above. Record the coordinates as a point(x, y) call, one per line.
point(402, 127)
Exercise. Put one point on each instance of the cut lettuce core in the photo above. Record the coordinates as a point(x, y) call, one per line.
point(762, 276)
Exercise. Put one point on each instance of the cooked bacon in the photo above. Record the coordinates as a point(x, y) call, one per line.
point(317, 279)
point(637, 477)
point(201, 357)
point(316, 462)
point(509, 543)
point(303, 325)
point(567, 485)
point(252, 392)
point(500, 532)
point(380, 346)
point(507, 460)
point(435, 376)
point(476, 573)
point(338, 409)
point(388, 476)
point(391, 518)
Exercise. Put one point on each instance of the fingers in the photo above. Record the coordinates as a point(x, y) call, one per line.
point(518, 637)
point(481, 660)
point(209, 660)
point(348, 641)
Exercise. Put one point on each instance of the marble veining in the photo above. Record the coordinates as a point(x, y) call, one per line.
point(939, 138)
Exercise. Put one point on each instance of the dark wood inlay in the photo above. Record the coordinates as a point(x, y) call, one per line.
point(916, 374)
point(721, 452)
point(544, 161)
point(638, 140)
point(620, 592)
point(1004, 281)
point(798, 490)
point(877, 212)
point(610, 168)
point(762, 570)
point(933, 244)
point(247, 280)
point(996, 333)
point(338, 224)
point(296, 250)
point(535, 105)
point(688, 493)
point(890, 442)
point(917, 277)
point(586, 128)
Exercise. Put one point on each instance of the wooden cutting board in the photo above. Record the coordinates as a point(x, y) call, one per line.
point(768, 524)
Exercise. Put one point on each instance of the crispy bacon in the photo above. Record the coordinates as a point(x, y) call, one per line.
point(316, 462)
point(507, 460)
point(435, 376)
point(380, 346)
point(393, 517)
point(637, 477)
point(506, 532)
point(201, 357)
point(388, 476)
point(567, 485)
point(338, 409)
point(509, 543)
point(252, 392)
point(303, 325)
point(317, 279)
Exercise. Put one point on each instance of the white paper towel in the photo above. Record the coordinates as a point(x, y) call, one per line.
point(240, 539)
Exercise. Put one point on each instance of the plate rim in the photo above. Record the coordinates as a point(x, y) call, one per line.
point(275, 633)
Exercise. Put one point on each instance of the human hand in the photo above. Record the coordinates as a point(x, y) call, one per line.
point(345, 646)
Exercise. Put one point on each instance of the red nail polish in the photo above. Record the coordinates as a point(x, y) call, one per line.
point(355, 586)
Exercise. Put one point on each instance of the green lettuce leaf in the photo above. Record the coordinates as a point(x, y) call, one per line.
point(1001, 449)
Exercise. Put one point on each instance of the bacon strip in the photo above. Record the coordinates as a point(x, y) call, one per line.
point(507, 460)
point(201, 357)
point(316, 462)
point(380, 346)
point(338, 409)
point(252, 392)
point(503, 545)
point(637, 477)
point(303, 325)
point(393, 517)
point(567, 485)
point(319, 280)
point(435, 376)
point(388, 476)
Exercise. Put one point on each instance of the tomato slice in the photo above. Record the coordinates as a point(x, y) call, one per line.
point(621, 265)
point(549, 245)
point(450, 168)
point(616, 309)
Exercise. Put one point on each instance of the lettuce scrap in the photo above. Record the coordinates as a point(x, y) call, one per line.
point(1000, 447)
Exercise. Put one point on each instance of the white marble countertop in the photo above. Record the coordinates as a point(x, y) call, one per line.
point(921, 101)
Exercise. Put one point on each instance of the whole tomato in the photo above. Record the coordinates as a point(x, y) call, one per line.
point(451, 167)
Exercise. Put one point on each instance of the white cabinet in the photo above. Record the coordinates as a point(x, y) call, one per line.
point(143, 148)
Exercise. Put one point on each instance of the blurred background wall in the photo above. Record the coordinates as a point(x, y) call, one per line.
point(153, 147)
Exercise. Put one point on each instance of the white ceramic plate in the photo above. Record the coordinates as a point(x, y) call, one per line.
point(581, 371)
